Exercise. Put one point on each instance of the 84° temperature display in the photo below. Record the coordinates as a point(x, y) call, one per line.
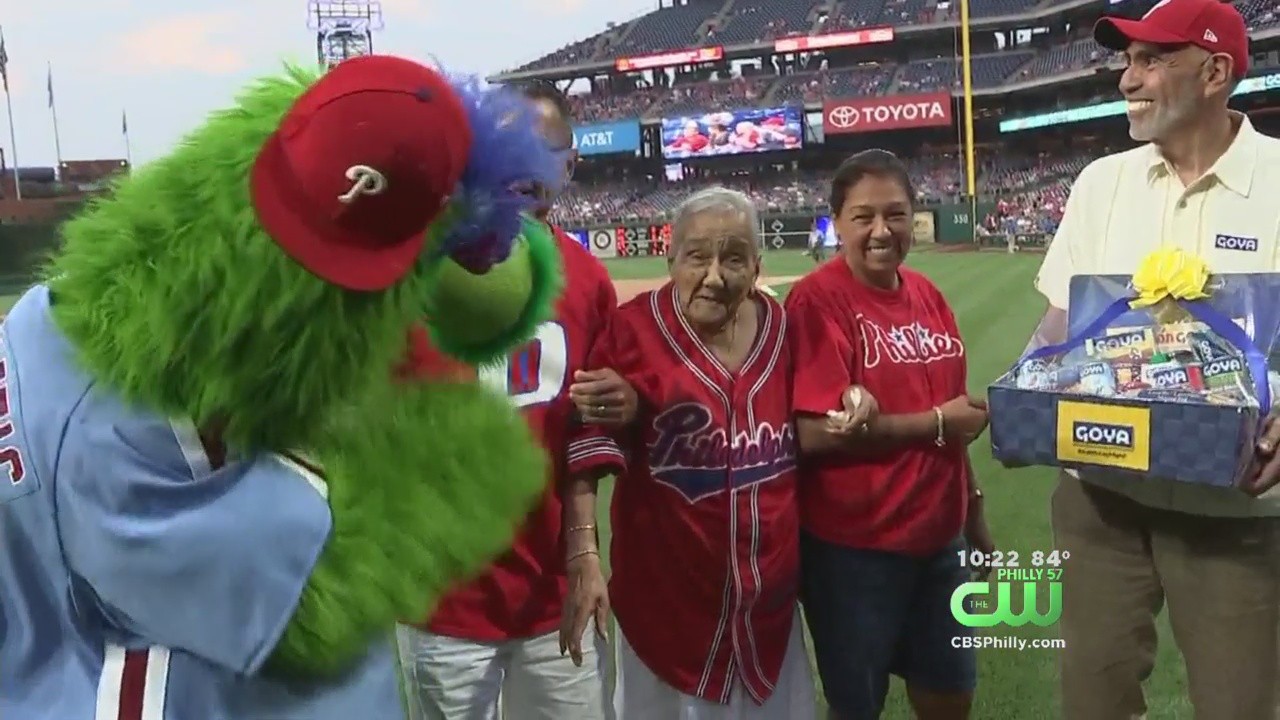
point(1011, 558)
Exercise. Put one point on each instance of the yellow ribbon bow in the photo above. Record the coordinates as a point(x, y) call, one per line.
point(1169, 273)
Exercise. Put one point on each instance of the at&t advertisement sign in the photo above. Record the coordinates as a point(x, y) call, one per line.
point(607, 137)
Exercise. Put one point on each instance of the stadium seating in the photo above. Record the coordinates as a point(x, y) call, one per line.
point(608, 106)
point(995, 8)
point(944, 73)
point(1035, 185)
point(756, 20)
point(1260, 14)
point(853, 14)
point(668, 28)
point(924, 75)
point(697, 98)
point(748, 21)
point(1075, 55)
point(572, 54)
point(904, 12)
point(849, 82)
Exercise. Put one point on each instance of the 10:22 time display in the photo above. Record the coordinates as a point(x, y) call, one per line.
point(1009, 559)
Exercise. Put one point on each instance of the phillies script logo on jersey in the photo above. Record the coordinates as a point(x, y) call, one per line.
point(887, 113)
point(902, 344)
point(699, 462)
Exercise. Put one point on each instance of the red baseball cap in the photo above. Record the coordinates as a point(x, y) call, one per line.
point(359, 167)
point(1208, 24)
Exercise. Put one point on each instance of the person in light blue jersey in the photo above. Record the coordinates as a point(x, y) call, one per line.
point(217, 496)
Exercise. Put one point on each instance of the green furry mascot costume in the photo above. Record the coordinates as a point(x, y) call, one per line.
point(219, 495)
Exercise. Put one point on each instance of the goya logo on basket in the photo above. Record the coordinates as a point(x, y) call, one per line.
point(1170, 377)
point(1121, 343)
point(1108, 435)
point(1089, 433)
point(1223, 366)
point(1234, 242)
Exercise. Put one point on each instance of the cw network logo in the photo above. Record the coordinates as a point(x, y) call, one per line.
point(1001, 612)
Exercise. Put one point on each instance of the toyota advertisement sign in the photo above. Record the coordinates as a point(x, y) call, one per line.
point(893, 112)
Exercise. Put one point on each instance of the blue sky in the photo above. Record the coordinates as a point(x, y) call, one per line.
point(169, 62)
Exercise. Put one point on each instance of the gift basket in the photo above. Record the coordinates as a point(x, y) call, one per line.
point(1167, 374)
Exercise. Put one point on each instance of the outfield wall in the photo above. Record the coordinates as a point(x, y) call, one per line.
point(24, 248)
point(943, 224)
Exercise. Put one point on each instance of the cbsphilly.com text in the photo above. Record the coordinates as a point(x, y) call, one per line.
point(1007, 642)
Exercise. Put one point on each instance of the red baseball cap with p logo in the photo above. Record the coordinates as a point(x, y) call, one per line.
point(1213, 26)
point(359, 167)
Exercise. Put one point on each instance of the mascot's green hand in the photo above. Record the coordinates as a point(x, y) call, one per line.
point(427, 484)
point(478, 318)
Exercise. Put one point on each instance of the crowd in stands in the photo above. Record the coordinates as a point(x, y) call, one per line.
point(923, 75)
point(1031, 187)
point(762, 19)
point(706, 22)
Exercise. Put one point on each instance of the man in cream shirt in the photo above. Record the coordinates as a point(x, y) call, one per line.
point(1206, 182)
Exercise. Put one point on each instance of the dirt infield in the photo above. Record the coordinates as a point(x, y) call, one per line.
point(628, 289)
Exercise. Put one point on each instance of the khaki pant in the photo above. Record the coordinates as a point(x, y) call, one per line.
point(1219, 577)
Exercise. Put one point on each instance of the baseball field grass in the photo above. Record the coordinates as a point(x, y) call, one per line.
point(997, 309)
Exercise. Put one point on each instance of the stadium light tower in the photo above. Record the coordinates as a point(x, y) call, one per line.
point(344, 28)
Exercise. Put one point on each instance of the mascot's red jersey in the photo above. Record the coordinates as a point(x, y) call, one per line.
point(705, 552)
point(521, 595)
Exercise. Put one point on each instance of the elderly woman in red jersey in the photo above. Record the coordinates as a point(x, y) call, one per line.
point(705, 554)
point(885, 511)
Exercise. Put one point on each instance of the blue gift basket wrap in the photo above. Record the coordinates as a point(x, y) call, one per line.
point(1179, 436)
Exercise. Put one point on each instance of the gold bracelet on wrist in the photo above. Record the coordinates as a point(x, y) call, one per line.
point(581, 553)
point(581, 528)
point(941, 440)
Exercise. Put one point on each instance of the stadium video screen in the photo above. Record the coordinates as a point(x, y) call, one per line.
point(733, 132)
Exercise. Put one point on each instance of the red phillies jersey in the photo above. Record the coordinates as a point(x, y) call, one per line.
point(705, 552)
point(905, 348)
point(521, 595)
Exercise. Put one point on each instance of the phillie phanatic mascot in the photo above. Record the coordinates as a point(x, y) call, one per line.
point(218, 487)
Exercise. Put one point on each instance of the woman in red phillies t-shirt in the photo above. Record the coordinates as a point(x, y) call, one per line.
point(887, 508)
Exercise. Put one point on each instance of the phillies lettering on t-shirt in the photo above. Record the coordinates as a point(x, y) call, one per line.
point(905, 348)
point(692, 458)
point(911, 343)
point(521, 594)
point(704, 507)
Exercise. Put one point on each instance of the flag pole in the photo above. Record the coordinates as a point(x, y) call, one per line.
point(124, 129)
point(53, 108)
point(13, 146)
point(970, 165)
point(8, 102)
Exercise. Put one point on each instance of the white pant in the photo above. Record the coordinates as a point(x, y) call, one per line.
point(453, 679)
point(638, 694)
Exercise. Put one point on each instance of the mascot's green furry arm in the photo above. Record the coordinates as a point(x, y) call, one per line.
point(262, 280)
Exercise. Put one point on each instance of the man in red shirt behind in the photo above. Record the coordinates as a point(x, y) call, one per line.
point(500, 634)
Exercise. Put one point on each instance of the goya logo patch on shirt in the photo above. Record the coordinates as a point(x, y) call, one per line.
point(1235, 242)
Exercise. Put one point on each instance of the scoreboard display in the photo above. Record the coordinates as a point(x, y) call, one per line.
point(642, 240)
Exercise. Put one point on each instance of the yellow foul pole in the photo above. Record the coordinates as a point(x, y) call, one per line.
point(970, 171)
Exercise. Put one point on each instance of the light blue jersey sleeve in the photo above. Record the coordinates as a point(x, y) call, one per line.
point(210, 561)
